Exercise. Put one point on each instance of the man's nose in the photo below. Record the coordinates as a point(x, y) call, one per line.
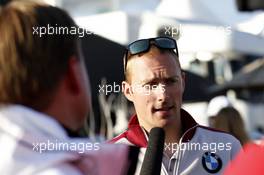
point(161, 92)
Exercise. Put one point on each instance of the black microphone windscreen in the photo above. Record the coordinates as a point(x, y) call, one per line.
point(153, 157)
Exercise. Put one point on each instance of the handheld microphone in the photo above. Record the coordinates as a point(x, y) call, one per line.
point(153, 157)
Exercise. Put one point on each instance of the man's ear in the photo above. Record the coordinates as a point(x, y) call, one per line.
point(72, 76)
point(183, 81)
point(127, 90)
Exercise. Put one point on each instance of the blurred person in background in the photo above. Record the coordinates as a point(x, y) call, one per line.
point(214, 106)
point(45, 97)
point(228, 119)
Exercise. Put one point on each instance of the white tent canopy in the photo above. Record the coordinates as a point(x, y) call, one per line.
point(222, 12)
point(195, 37)
point(208, 38)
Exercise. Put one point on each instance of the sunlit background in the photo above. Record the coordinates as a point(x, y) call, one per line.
point(221, 49)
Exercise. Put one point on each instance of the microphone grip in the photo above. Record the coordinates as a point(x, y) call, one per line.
point(153, 157)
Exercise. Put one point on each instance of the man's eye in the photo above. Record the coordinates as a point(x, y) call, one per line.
point(172, 81)
point(150, 85)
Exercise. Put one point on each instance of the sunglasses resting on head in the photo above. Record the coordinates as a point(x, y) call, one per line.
point(143, 45)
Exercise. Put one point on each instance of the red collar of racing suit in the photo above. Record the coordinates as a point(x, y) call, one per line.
point(136, 136)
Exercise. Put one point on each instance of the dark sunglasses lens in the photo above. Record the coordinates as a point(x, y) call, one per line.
point(138, 46)
point(166, 43)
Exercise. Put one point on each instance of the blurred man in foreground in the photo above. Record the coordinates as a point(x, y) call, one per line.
point(155, 84)
point(44, 96)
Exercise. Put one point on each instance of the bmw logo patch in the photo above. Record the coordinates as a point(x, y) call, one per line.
point(211, 162)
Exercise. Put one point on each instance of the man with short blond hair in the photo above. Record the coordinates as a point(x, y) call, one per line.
point(155, 84)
